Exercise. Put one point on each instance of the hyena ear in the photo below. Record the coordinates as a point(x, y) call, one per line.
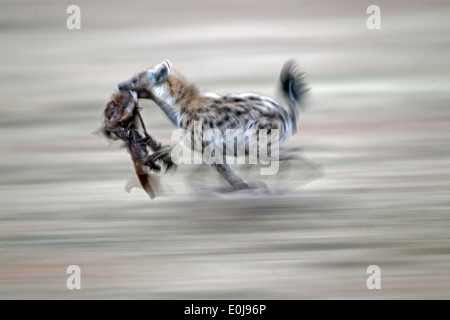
point(163, 71)
point(167, 63)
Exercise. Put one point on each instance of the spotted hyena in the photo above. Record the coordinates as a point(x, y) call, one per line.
point(223, 115)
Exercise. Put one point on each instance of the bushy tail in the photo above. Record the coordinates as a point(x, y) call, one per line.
point(293, 87)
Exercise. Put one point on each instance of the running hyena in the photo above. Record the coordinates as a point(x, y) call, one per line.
point(187, 107)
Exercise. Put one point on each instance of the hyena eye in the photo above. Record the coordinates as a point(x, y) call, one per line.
point(134, 81)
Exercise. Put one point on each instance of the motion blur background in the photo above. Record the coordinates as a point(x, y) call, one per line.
point(376, 126)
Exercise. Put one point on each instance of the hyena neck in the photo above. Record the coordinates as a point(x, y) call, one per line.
point(173, 95)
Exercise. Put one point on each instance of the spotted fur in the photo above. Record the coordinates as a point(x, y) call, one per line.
point(185, 105)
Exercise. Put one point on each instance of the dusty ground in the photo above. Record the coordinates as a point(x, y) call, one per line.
point(377, 122)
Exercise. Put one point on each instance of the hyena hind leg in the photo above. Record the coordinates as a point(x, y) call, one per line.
point(293, 158)
point(236, 182)
point(286, 154)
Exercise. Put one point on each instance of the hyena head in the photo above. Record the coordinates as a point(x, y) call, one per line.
point(143, 82)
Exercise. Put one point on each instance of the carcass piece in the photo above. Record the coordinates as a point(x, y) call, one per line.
point(123, 121)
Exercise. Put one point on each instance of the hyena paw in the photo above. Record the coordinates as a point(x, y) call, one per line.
point(256, 185)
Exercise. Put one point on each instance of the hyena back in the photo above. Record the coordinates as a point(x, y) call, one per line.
point(193, 111)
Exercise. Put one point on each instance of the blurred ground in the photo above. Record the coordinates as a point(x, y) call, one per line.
point(378, 122)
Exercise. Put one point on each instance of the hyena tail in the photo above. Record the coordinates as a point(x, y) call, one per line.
point(293, 87)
